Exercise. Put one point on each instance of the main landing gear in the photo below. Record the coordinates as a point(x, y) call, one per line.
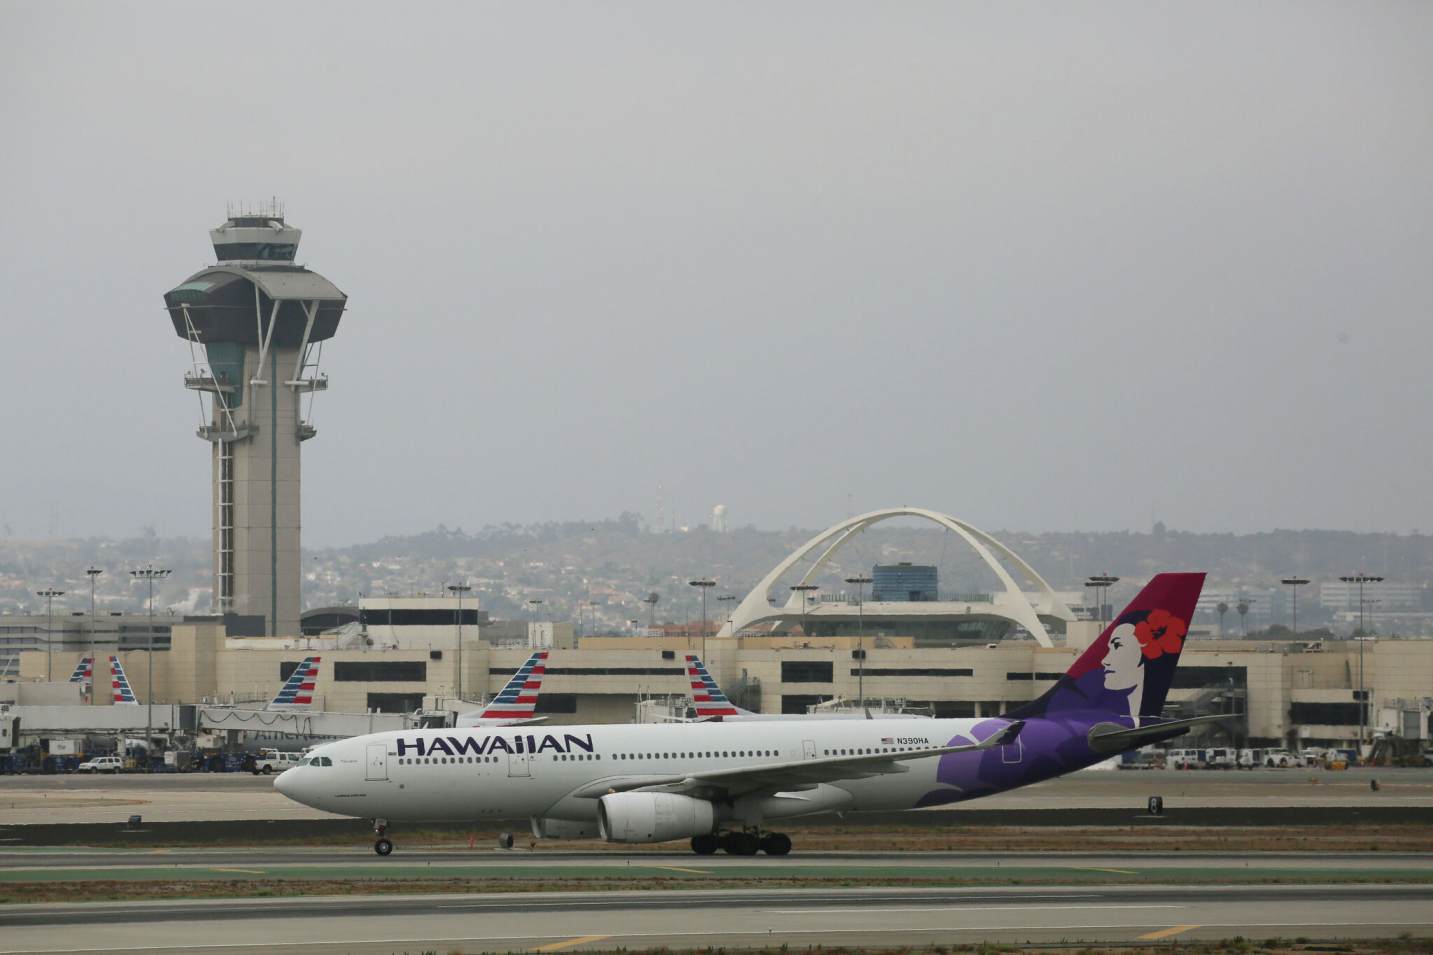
point(382, 845)
point(745, 843)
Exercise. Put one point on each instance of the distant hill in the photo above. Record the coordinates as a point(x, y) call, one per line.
point(616, 561)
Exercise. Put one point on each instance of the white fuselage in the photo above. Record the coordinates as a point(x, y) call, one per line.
point(466, 774)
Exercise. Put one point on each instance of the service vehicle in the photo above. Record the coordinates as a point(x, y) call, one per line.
point(1221, 757)
point(272, 761)
point(1184, 759)
point(1250, 758)
point(1279, 759)
point(101, 764)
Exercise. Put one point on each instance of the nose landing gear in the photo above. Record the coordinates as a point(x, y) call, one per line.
point(382, 845)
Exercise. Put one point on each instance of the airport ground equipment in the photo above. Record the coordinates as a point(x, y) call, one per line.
point(255, 323)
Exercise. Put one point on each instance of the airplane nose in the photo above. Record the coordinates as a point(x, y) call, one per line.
point(283, 782)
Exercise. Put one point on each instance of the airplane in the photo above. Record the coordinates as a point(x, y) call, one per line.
point(719, 784)
point(120, 683)
point(297, 690)
point(84, 670)
point(516, 703)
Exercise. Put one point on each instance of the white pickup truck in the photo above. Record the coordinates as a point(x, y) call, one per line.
point(101, 764)
point(274, 761)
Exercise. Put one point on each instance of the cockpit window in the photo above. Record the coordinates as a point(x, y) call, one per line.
point(306, 760)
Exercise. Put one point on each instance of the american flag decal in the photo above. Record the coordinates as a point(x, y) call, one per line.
point(298, 688)
point(707, 696)
point(119, 683)
point(518, 699)
point(84, 670)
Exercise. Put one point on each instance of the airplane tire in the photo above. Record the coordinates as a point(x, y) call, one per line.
point(742, 844)
point(505, 840)
point(383, 847)
point(776, 844)
point(705, 845)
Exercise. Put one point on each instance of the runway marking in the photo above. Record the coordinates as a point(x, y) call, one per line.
point(1165, 933)
point(972, 908)
point(677, 868)
point(245, 871)
point(579, 940)
point(1095, 868)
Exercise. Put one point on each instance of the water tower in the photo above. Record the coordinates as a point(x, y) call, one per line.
point(256, 324)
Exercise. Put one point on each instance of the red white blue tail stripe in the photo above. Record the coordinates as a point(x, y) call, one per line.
point(708, 697)
point(298, 688)
point(518, 700)
point(119, 683)
point(84, 670)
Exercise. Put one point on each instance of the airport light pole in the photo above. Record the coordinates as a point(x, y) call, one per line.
point(49, 593)
point(532, 606)
point(703, 584)
point(728, 599)
point(459, 590)
point(1101, 582)
point(1294, 583)
point(1361, 578)
point(805, 591)
point(860, 580)
point(93, 572)
point(651, 601)
point(149, 575)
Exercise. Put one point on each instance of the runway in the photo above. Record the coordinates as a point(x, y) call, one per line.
point(730, 918)
point(52, 865)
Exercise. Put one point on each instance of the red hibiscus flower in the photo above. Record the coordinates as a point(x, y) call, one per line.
point(1160, 633)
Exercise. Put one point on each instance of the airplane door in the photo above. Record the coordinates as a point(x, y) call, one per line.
point(517, 765)
point(808, 749)
point(377, 762)
point(1012, 752)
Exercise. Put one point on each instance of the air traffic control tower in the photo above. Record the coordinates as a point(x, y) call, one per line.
point(255, 324)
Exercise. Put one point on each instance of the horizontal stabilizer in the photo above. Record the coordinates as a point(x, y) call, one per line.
point(1113, 738)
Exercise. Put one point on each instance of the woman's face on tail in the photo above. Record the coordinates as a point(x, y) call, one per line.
point(1122, 659)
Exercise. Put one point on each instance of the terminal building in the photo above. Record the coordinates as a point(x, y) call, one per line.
point(1294, 694)
point(424, 654)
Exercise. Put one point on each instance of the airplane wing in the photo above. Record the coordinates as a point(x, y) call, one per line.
point(791, 775)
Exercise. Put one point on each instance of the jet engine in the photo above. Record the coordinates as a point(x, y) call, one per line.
point(653, 817)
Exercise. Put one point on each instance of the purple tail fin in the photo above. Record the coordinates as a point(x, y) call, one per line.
point(1129, 669)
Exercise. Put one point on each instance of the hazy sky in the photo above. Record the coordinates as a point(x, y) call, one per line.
point(1045, 266)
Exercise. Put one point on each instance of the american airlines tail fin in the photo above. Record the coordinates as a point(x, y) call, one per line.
point(1128, 670)
point(119, 683)
point(297, 690)
point(516, 703)
point(84, 670)
point(709, 699)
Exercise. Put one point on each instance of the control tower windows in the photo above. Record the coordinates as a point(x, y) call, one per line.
point(256, 251)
